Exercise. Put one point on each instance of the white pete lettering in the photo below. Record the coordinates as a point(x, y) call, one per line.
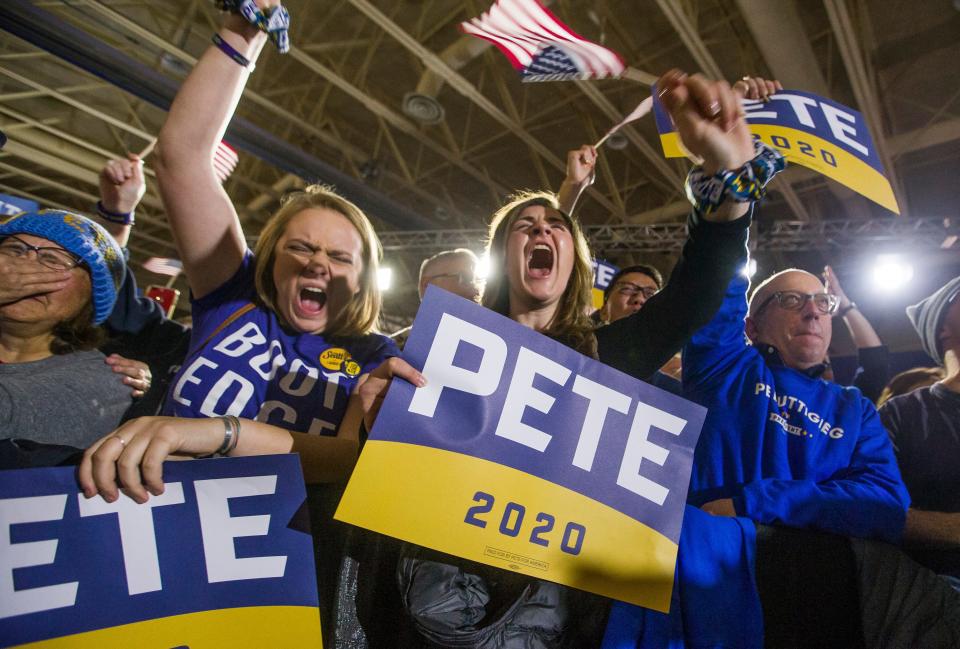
point(219, 529)
point(522, 395)
point(639, 448)
point(32, 509)
point(441, 373)
point(601, 400)
point(138, 541)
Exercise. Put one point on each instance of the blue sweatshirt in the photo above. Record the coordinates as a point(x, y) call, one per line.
point(789, 448)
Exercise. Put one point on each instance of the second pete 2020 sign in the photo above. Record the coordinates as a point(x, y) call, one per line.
point(525, 455)
point(810, 131)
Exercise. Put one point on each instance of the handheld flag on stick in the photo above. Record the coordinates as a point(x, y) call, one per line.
point(645, 106)
point(540, 46)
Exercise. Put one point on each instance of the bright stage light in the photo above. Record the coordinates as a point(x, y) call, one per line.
point(750, 269)
point(385, 278)
point(483, 267)
point(891, 273)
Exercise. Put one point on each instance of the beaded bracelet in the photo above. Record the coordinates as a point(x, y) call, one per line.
point(120, 218)
point(743, 185)
point(227, 49)
point(275, 21)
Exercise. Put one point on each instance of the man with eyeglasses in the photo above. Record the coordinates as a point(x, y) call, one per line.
point(781, 445)
point(452, 270)
point(629, 290)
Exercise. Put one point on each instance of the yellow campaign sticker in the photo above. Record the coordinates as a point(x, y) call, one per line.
point(351, 368)
point(334, 358)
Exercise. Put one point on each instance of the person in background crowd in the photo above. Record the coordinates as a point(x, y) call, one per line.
point(908, 381)
point(872, 355)
point(452, 270)
point(62, 273)
point(628, 290)
point(545, 284)
point(143, 343)
point(925, 428)
point(281, 335)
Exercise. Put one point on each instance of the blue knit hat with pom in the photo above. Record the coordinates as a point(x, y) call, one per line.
point(84, 238)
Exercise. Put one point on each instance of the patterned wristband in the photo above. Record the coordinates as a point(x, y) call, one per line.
point(120, 218)
point(743, 185)
point(275, 21)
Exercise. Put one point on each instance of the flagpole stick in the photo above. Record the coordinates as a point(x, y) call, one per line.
point(172, 281)
point(148, 149)
point(634, 74)
point(604, 138)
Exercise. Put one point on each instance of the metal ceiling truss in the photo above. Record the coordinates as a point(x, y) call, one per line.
point(669, 237)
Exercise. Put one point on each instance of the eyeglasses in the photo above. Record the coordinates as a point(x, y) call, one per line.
point(464, 278)
point(632, 290)
point(825, 303)
point(53, 258)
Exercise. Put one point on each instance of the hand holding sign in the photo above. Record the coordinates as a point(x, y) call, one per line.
point(135, 452)
point(756, 88)
point(372, 388)
point(707, 116)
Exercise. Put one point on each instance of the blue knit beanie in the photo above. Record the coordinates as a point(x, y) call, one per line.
point(928, 314)
point(84, 238)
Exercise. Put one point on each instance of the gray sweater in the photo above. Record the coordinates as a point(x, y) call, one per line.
point(72, 399)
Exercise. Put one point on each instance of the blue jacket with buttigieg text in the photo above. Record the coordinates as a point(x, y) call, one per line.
point(788, 447)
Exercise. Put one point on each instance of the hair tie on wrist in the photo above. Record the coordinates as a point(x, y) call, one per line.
point(119, 218)
point(227, 49)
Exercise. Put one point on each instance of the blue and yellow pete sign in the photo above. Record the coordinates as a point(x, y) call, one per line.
point(525, 455)
point(222, 559)
point(811, 131)
point(603, 272)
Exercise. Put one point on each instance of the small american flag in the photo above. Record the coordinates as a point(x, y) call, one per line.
point(225, 160)
point(540, 46)
point(164, 266)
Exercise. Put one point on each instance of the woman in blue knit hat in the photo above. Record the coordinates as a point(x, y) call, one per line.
point(54, 385)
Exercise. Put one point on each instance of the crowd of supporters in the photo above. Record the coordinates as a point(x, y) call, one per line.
point(812, 519)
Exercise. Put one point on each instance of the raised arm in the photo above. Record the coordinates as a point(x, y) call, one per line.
point(581, 172)
point(202, 218)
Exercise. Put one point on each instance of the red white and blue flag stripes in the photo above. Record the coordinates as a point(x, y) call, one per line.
point(540, 46)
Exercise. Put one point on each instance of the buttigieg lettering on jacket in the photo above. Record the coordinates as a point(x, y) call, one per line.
point(794, 404)
point(299, 380)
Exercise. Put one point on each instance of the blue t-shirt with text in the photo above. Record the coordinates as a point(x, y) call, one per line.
point(255, 369)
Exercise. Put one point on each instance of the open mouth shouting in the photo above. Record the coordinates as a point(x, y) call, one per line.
point(540, 261)
point(311, 300)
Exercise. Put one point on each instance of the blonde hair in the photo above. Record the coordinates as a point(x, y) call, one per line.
point(361, 314)
point(570, 324)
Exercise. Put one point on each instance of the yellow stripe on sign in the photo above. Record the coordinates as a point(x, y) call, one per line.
point(597, 297)
point(252, 627)
point(815, 153)
point(431, 491)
